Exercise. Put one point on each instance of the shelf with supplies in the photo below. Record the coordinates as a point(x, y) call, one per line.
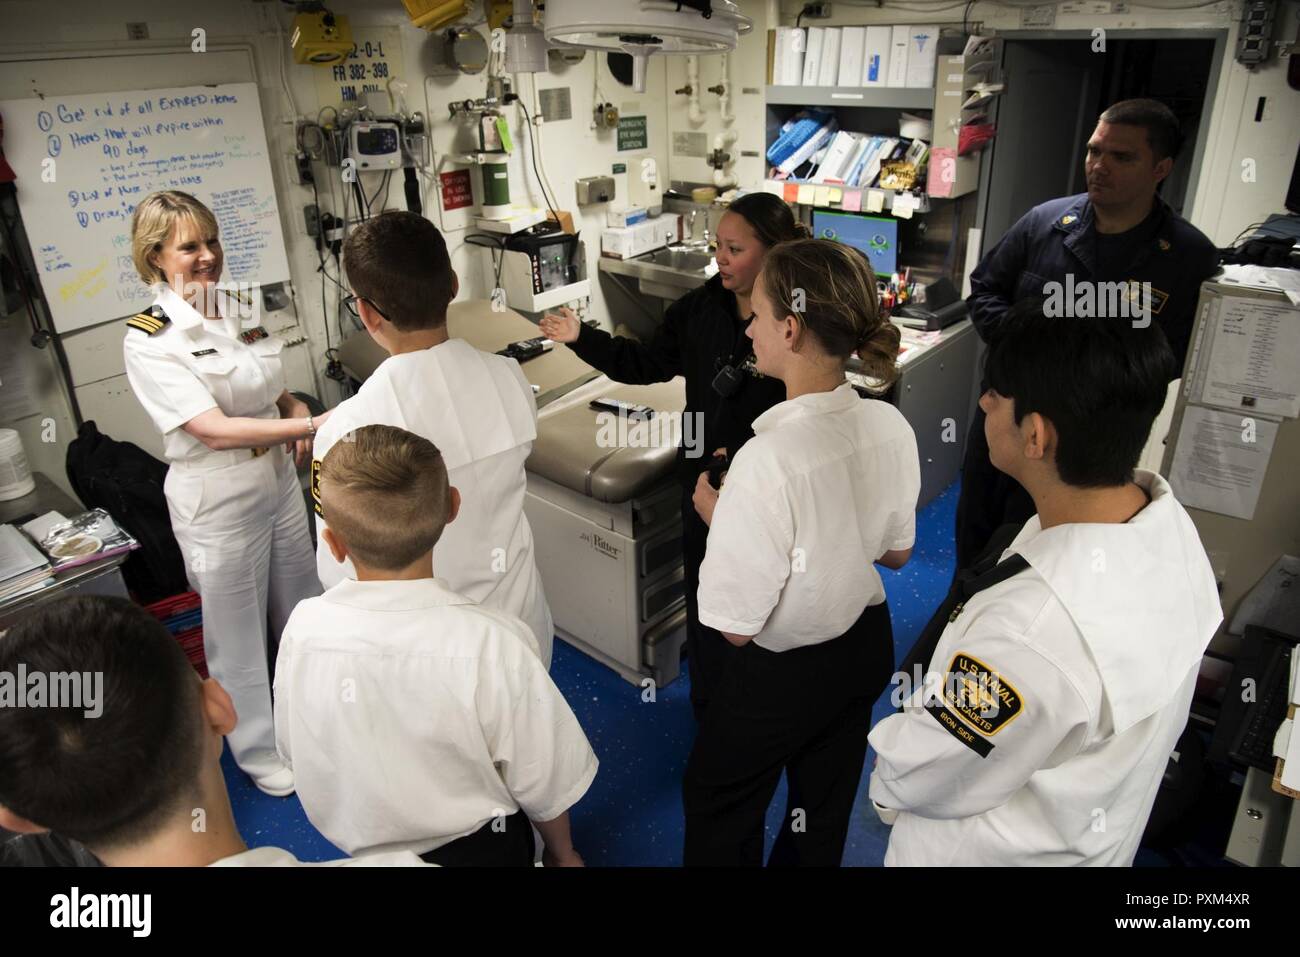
point(834, 196)
point(874, 97)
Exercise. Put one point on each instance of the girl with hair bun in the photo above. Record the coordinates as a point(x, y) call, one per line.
point(826, 488)
point(702, 334)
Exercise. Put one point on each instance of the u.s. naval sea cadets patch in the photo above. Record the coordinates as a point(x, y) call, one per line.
point(976, 703)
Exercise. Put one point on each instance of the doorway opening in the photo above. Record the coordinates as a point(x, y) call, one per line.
point(1056, 89)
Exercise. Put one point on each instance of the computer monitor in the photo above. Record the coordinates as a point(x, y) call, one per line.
point(876, 236)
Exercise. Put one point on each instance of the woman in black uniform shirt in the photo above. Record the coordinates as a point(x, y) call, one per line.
point(702, 332)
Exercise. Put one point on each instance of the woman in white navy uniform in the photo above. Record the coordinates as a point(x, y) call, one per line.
point(216, 393)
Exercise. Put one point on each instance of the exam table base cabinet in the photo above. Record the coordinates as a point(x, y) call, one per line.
point(613, 575)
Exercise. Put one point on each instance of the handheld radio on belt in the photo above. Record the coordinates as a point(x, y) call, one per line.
point(727, 383)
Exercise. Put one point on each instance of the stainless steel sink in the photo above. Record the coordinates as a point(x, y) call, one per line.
point(665, 273)
point(685, 259)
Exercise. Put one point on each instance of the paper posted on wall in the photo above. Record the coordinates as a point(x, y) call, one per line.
point(1247, 357)
point(1221, 459)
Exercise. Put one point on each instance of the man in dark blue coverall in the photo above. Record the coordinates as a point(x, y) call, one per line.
point(1120, 231)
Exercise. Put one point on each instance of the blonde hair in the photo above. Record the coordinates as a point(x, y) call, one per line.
point(384, 492)
point(830, 291)
point(153, 222)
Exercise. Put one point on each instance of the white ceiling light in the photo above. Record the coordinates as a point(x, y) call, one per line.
point(642, 28)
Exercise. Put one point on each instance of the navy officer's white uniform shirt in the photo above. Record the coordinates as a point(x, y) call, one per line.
point(1072, 683)
point(191, 364)
point(240, 518)
point(479, 410)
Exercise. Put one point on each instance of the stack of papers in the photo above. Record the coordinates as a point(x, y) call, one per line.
point(23, 569)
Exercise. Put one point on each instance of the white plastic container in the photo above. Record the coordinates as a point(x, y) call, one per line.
point(912, 127)
point(15, 475)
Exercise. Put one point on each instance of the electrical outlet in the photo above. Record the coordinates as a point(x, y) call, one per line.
point(817, 11)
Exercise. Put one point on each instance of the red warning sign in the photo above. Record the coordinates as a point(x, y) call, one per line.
point(456, 189)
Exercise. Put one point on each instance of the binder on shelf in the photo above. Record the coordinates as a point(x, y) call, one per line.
point(852, 46)
point(789, 56)
point(899, 43)
point(829, 71)
point(923, 42)
point(812, 60)
point(875, 56)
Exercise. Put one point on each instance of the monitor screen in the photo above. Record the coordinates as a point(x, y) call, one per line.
point(876, 236)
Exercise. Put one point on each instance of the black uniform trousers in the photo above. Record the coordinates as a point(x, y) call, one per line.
point(707, 652)
point(510, 844)
point(807, 712)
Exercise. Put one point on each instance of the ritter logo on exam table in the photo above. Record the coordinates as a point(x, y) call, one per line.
point(608, 549)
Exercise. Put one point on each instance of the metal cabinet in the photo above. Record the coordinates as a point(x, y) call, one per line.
point(934, 394)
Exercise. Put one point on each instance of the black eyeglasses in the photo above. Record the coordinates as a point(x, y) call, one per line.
point(351, 303)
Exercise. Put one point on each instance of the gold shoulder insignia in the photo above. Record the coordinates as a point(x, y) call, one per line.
point(1067, 220)
point(315, 486)
point(152, 321)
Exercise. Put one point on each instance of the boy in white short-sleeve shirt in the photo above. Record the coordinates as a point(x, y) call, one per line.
point(415, 719)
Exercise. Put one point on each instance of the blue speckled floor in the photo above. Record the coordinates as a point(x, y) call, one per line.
point(633, 812)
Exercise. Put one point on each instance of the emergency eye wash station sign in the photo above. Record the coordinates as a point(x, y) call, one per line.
point(85, 162)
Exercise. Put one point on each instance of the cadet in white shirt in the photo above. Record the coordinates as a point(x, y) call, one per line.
point(137, 777)
point(413, 718)
point(1054, 699)
point(827, 486)
point(476, 407)
point(216, 392)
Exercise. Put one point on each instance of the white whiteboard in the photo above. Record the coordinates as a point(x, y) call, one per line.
point(110, 150)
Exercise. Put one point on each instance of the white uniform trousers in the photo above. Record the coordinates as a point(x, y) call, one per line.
point(242, 530)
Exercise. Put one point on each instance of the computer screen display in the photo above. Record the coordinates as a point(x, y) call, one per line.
point(875, 236)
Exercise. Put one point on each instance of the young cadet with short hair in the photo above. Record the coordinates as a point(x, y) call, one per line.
point(414, 718)
point(130, 781)
point(1054, 699)
point(825, 488)
point(476, 407)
